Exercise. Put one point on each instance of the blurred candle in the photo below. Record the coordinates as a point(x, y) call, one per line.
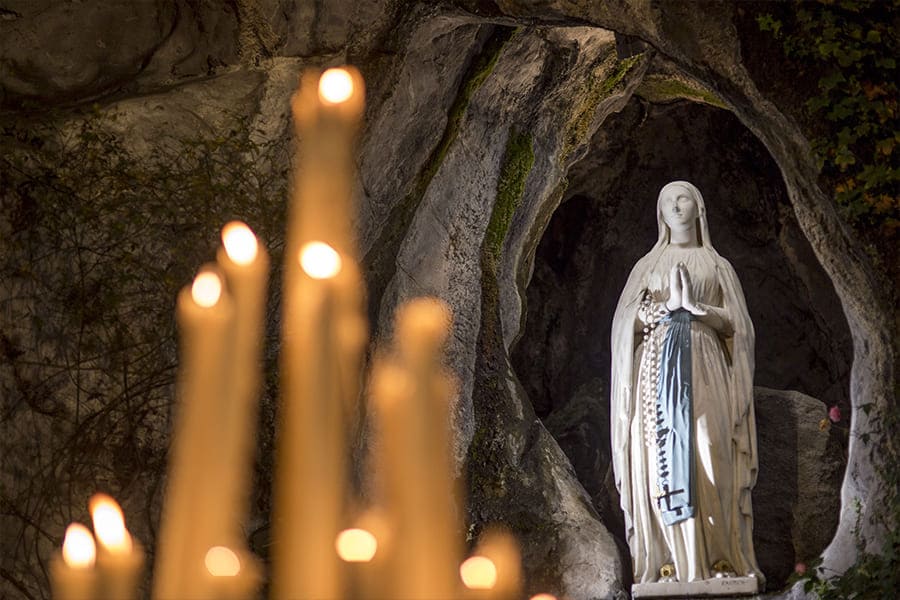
point(364, 548)
point(422, 328)
point(246, 266)
point(543, 596)
point(72, 574)
point(193, 518)
point(231, 575)
point(502, 549)
point(323, 338)
point(478, 573)
point(356, 545)
point(411, 399)
point(319, 260)
point(222, 562)
point(119, 559)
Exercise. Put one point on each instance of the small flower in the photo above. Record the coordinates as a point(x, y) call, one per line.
point(834, 413)
point(800, 568)
point(824, 425)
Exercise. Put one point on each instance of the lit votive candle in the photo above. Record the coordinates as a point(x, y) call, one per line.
point(72, 573)
point(246, 266)
point(120, 559)
point(232, 575)
point(479, 576)
point(193, 518)
point(357, 547)
point(502, 549)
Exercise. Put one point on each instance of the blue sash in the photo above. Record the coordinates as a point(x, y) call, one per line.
point(674, 422)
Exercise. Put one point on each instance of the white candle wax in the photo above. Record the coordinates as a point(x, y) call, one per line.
point(311, 460)
point(193, 519)
point(501, 548)
point(246, 266)
point(422, 328)
point(319, 358)
point(410, 405)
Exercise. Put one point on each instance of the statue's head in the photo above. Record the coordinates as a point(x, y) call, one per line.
point(680, 207)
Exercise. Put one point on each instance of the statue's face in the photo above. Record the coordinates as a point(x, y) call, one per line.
point(679, 210)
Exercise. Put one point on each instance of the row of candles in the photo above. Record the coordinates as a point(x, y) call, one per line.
point(407, 545)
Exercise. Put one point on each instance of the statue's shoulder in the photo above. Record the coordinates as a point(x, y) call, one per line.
point(724, 264)
point(644, 262)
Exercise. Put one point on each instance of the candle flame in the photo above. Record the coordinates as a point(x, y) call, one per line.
point(543, 596)
point(207, 289)
point(478, 573)
point(79, 551)
point(109, 524)
point(240, 243)
point(222, 562)
point(335, 86)
point(356, 545)
point(319, 260)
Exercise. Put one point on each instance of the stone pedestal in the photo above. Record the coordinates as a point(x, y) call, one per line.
point(708, 588)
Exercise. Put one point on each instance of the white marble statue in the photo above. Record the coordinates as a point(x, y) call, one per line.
point(683, 427)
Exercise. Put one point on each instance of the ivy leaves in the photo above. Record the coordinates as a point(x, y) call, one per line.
point(852, 46)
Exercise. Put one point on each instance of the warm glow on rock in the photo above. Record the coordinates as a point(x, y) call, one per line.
point(319, 260)
point(240, 243)
point(478, 573)
point(543, 597)
point(222, 562)
point(78, 549)
point(356, 545)
point(109, 524)
point(335, 86)
point(207, 289)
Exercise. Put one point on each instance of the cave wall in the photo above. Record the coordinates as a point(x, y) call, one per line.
point(605, 224)
point(478, 116)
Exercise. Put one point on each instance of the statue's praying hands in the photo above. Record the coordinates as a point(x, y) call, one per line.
point(680, 293)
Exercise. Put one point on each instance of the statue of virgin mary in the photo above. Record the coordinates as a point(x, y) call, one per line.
point(683, 428)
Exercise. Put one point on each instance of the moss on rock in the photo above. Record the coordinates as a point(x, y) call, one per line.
point(600, 84)
point(498, 489)
point(662, 89)
point(517, 162)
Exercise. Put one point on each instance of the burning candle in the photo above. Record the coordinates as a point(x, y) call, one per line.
point(311, 465)
point(246, 266)
point(502, 550)
point(478, 573)
point(323, 339)
point(364, 548)
point(120, 559)
point(193, 517)
point(72, 572)
point(356, 545)
point(231, 575)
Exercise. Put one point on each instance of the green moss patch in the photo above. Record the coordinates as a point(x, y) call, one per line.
point(608, 77)
point(517, 163)
point(661, 89)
